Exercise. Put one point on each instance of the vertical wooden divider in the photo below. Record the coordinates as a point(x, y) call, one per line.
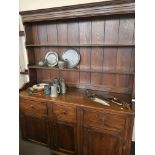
point(111, 30)
point(97, 38)
point(52, 36)
point(62, 31)
point(28, 33)
point(73, 38)
point(97, 54)
point(31, 61)
point(132, 63)
point(35, 33)
point(124, 59)
point(30, 52)
point(42, 37)
point(126, 31)
point(85, 52)
point(37, 52)
point(110, 53)
point(124, 55)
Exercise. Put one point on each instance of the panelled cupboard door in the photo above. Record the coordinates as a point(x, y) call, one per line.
point(65, 137)
point(100, 143)
point(34, 128)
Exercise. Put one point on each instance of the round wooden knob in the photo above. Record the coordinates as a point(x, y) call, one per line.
point(32, 106)
point(64, 112)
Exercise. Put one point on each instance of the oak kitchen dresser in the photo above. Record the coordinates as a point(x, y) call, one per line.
point(103, 33)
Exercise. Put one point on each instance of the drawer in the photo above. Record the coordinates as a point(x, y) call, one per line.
point(104, 120)
point(64, 113)
point(33, 106)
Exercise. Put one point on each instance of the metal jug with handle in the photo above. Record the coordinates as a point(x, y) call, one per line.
point(62, 86)
point(55, 90)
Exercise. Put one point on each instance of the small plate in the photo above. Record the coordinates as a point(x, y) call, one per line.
point(39, 86)
point(72, 57)
point(51, 59)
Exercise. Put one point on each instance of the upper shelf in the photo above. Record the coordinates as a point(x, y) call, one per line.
point(83, 70)
point(80, 45)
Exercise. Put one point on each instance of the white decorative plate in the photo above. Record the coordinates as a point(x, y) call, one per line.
point(72, 57)
point(51, 59)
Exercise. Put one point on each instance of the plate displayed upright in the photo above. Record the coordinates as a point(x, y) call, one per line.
point(72, 57)
point(51, 59)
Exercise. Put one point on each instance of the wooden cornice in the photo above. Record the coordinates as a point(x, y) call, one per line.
point(80, 10)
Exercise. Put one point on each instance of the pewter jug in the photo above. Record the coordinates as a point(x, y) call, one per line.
point(62, 86)
point(55, 90)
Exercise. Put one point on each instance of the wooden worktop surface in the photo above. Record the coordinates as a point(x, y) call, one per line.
point(77, 97)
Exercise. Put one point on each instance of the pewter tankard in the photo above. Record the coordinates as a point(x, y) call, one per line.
point(62, 86)
point(55, 90)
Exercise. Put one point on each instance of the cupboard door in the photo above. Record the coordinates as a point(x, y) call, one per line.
point(65, 137)
point(100, 143)
point(34, 128)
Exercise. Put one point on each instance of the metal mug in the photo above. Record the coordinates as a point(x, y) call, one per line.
point(55, 90)
point(56, 81)
point(47, 89)
point(61, 64)
point(62, 86)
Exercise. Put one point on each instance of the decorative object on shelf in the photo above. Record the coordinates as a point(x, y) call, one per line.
point(42, 62)
point(62, 86)
point(51, 58)
point(116, 101)
point(62, 64)
point(95, 98)
point(47, 89)
point(39, 87)
point(33, 91)
point(101, 101)
point(56, 81)
point(72, 56)
point(55, 90)
point(109, 99)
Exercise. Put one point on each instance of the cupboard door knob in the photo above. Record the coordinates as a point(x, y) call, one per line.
point(32, 106)
point(63, 112)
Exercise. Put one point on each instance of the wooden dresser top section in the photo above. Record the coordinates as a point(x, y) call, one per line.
point(80, 10)
point(77, 97)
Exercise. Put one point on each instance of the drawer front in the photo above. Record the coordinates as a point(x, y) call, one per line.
point(64, 113)
point(104, 120)
point(33, 106)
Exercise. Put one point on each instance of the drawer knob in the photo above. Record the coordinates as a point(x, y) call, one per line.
point(64, 112)
point(101, 118)
point(32, 106)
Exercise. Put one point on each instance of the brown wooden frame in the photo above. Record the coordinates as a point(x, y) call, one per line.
point(65, 27)
point(81, 10)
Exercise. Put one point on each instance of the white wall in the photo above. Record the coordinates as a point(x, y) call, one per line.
point(40, 4)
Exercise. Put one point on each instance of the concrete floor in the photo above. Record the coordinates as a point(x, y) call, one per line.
point(28, 148)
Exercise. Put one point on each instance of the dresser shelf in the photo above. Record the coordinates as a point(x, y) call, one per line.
point(80, 45)
point(82, 70)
